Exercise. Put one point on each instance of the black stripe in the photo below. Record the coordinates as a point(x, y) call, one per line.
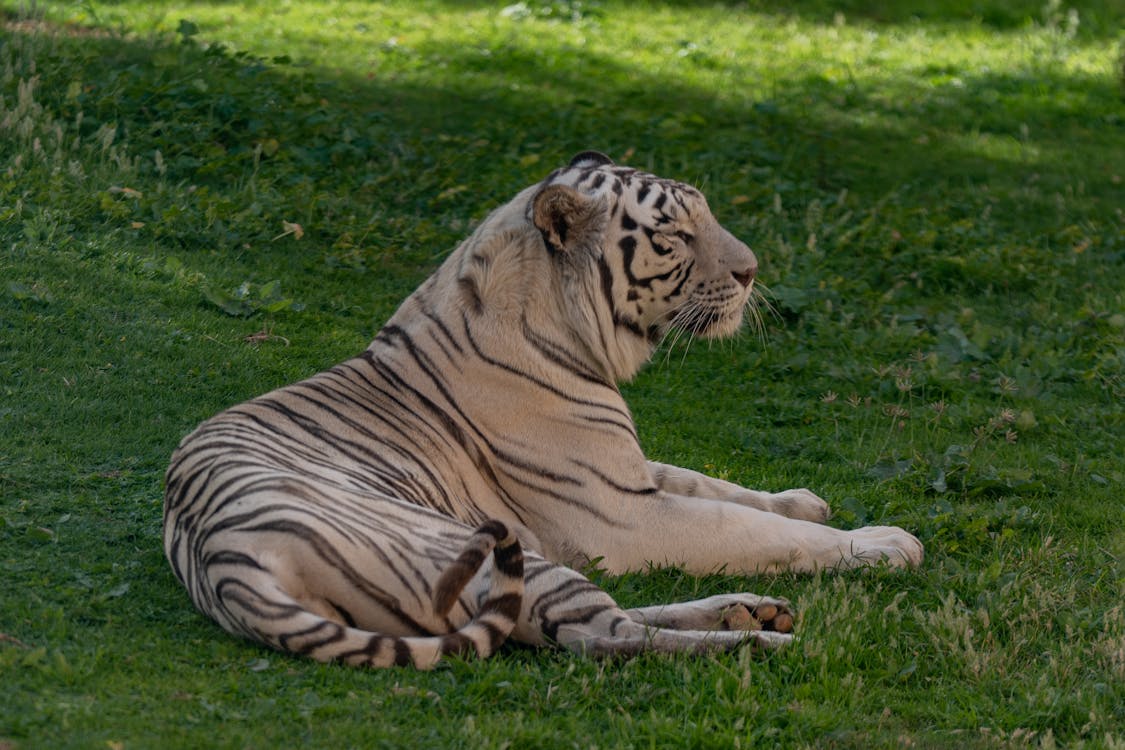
point(520, 373)
point(336, 633)
point(457, 643)
point(371, 650)
point(605, 479)
point(685, 269)
point(230, 557)
point(495, 528)
point(563, 593)
point(334, 559)
point(564, 358)
point(507, 605)
point(628, 247)
point(607, 283)
point(509, 560)
point(345, 615)
point(403, 657)
point(446, 334)
point(238, 591)
point(496, 636)
point(453, 430)
point(629, 325)
point(581, 616)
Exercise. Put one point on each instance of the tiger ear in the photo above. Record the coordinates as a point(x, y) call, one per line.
point(566, 218)
point(591, 159)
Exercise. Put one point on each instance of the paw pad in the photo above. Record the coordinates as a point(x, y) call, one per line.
point(737, 617)
point(763, 617)
point(783, 623)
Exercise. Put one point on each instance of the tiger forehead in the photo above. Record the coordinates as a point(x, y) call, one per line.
point(638, 188)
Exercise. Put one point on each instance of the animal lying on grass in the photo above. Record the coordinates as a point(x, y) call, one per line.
point(428, 496)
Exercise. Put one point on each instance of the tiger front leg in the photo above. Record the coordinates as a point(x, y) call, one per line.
point(706, 536)
point(796, 503)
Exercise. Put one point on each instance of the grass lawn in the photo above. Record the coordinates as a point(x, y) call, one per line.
point(200, 201)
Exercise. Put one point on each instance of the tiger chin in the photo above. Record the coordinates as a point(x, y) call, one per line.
point(434, 494)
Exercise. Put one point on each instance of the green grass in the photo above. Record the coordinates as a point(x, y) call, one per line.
point(935, 191)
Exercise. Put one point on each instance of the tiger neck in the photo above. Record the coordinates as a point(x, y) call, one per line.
point(587, 334)
point(544, 322)
point(619, 348)
point(504, 286)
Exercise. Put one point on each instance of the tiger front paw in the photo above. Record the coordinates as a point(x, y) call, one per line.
point(758, 613)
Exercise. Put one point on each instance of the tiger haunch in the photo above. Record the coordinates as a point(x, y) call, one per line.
point(486, 632)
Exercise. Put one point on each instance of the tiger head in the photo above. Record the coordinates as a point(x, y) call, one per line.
point(659, 260)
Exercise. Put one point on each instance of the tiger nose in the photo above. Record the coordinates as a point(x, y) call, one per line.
point(746, 275)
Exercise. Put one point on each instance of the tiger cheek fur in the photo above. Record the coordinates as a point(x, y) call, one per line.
point(431, 495)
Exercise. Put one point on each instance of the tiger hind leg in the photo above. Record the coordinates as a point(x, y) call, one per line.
point(627, 637)
point(563, 607)
point(722, 612)
point(256, 605)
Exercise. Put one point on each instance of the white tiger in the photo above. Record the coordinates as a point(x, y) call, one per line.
point(351, 516)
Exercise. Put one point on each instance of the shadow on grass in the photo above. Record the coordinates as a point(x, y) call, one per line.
point(505, 119)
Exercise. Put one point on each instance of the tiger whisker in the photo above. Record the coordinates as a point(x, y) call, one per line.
point(754, 305)
point(674, 329)
point(693, 315)
point(761, 298)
